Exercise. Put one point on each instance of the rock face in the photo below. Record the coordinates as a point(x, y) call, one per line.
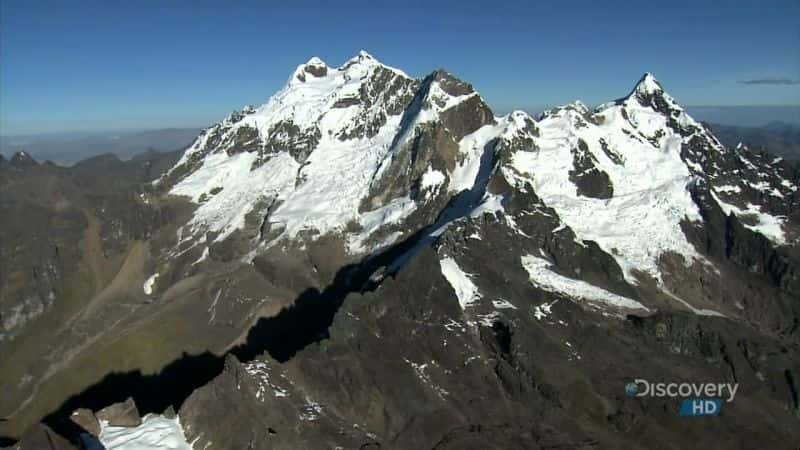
point(42, 437)
point(86, 419)
point(21, 161)
point(596, 240)
point(370, 260)
point(70, 244)
point(123, 414)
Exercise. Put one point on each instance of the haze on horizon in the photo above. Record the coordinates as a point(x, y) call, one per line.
point(94, 66)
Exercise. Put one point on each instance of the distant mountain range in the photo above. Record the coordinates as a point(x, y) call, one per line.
point(772, 128)
point(69, 148)
point(779, 138)
point(747, 115)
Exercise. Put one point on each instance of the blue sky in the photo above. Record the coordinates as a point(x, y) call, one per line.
point(112, 65)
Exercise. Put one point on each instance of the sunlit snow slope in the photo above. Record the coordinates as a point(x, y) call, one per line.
point(314, 158)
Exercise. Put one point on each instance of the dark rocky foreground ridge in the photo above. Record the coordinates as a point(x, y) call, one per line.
point(375, 261)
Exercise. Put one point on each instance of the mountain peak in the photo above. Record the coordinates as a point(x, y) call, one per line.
point(21, 159)
point(315, 61)
point(363, 54)
point(361, 58)
point(649, 92)
point(314, 67)
point(363, 61)
point(354, 68)
point(648, 84)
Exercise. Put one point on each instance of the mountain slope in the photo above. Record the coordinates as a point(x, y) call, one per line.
point(781, 139)
point(372, 260)
point(600, 207)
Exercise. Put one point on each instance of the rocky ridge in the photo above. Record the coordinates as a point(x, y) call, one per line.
point(570, 252)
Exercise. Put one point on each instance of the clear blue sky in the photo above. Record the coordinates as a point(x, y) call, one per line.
point(112, 65)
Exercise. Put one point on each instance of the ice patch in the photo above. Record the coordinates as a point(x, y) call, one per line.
point(541, 275)
point(768, 225)
point(203, 257)
point(471, 147)
point(502, 304)
point(431, 178)
point(261, 373)
point(698, 311)
point(148, 285)
point(490, 204)
point(438, 101)
point(310, 411)
point(155, 433)
point(466, 291)
point(488, 320)
point(371, 221)
point(544, 310)
point(728, 189)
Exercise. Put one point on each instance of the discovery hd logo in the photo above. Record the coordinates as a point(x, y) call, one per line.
point(700, 399)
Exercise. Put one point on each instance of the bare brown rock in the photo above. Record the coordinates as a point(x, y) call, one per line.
point(123, 414)
point(86, 419)
point(41, 437)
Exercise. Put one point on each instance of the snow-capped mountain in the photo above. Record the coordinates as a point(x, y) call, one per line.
point(317, 156)
point(375, 260)
point(357, 150)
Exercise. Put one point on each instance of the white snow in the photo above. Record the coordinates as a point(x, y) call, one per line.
point(728, 189)
point(213, 307)
point(471, 148)
point(148, 285)
point(393, 212)
point(638, 224)
point(203, 256)
point(337, 177)
point(310, 411)
point(371, 221)
point(642, 219)
point(466, 291)
point(768, 225)
point(242, 188)
point(503, 304)
point(487, 320)
point(764, 186)
point(425, 378)
point(648, 85)
point(326, 192)
point(431, 180)
point(438, 101)
point(541, 275)
point(490, 204)
point(261, 374)
point(698, 311)
point(544, 310)
point(155, 433)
